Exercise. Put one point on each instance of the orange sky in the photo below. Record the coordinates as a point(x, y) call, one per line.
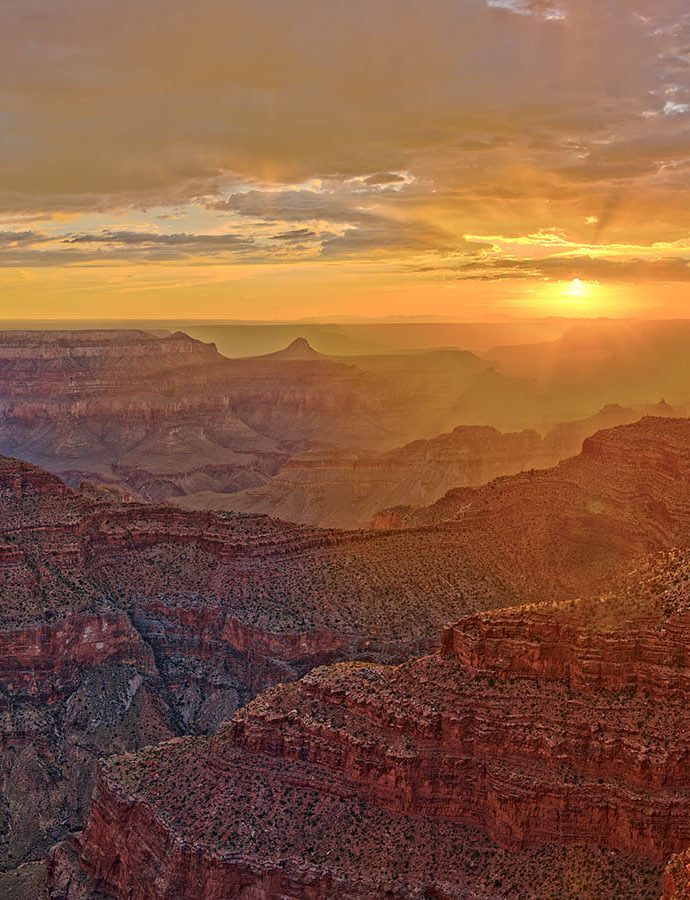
point(457, 158)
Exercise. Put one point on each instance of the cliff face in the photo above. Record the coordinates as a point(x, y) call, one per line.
point(70, 689)
point(349, 489)
point(123, 625)
point(625, 495)
point(127, 408)
point(45, 662)
point(530, 757)
point(167, 416)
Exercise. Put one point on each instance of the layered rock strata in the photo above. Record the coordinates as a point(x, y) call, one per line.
point(347, 489)
point(123, 625)
point(163, 415)
point(544, 751)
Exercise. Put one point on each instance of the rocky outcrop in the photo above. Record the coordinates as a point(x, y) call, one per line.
point(624, 496)
point(124, 624)
point(512, 763)
point(348, 489)
point(46, 661)
point(300, 348)
point(676, 880)
point(163, 415)
point(178, 618)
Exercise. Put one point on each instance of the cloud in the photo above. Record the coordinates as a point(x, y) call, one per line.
point(314, 132)
point(387, 236)
point(543, 8)
point(296, 234)
point(633, 269)
point(143, 98)
point(383, 179)
point(351, 223)
point(673, 108)
point(19, 238)
point(676, 269)
point(38, 249)
point(300, 205)
point(143, 239)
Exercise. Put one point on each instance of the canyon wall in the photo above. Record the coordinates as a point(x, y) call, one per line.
point(348, 489)
point(162, 415)
point(497, 747)
point(178, 618)
point(124, 624)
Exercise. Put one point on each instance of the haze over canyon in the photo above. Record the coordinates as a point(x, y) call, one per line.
point(184, 532)
point(344, 450)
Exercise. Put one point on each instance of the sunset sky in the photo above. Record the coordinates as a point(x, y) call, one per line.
point(325, 158)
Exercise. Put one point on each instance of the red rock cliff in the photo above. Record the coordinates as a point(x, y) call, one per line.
point(498, 732)
point(124, 624)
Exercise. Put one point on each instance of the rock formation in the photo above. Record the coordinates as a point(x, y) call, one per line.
point(128, 408)
point(124, 624)
point(164, 415)
point(297, 434)
point(567, 528)
point(300, 348)
point(542, 752)
point(347, 489)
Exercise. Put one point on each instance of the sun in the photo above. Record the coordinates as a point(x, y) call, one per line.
point(577, 296)
point(577, 293)
point(577, 288)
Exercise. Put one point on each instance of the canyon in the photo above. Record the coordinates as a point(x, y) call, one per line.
point(126, 625)
point(542, 751)
point(158, 415)
point(347, 489)
point(315, 439)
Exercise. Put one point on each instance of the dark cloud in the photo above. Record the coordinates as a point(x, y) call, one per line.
point(293, 206)
point(17, 238)
point(670, 269)
point(138, 238)
point(36, 249)
point(387, 236)
point(296, 234)
point(384, 178)
point(509, 114)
